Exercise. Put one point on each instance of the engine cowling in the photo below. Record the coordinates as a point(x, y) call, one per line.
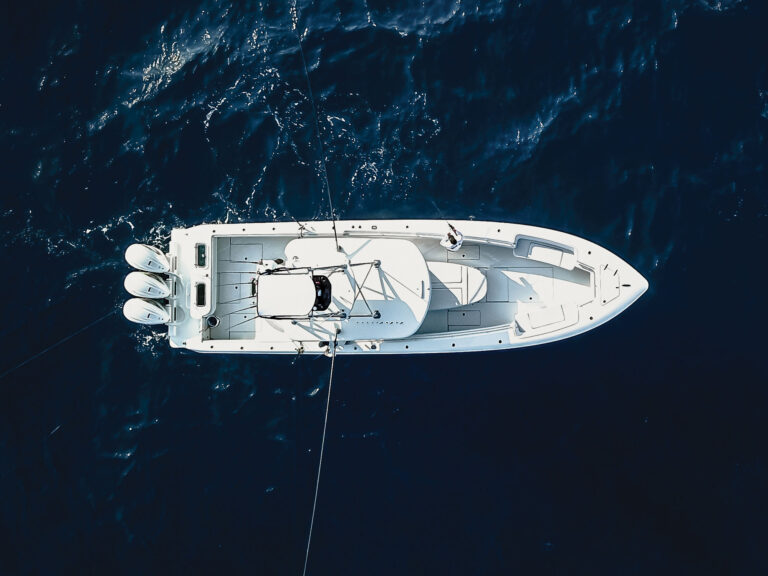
point(146, 285)
point(143, 311)
point(147, 258)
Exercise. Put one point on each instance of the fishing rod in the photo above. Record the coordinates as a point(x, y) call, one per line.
point(440, 212)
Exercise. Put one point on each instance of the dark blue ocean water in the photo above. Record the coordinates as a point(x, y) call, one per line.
point(639, 448)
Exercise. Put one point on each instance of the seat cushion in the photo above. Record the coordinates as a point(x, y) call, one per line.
point(455, 285)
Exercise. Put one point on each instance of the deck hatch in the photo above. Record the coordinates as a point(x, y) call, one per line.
point(463, 318)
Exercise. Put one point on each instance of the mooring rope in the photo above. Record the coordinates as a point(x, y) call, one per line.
point(59, 343)
point(322, 450)
point(295, 22)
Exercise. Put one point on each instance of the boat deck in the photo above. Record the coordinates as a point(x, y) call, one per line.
point(514, 284)
point(236, 264)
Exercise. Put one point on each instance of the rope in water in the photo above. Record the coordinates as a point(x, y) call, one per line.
point(320, 463)
point(295, 21)
point(59, 343)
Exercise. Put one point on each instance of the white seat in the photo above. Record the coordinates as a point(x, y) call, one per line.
point(455, 285)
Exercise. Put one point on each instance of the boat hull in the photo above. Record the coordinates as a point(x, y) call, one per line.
point(540, 286)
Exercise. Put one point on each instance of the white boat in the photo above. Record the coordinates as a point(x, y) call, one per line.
point(389, 288)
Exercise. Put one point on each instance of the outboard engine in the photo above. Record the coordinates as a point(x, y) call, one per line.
point(146, 285)
point(144, 311)
point(146, 258)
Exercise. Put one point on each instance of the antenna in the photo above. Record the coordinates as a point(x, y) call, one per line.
point(295, 22)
